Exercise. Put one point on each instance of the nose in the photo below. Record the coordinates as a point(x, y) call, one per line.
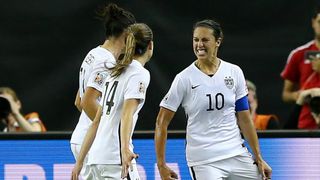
point(200, 44)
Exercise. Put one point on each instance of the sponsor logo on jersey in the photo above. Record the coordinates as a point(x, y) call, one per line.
point(142, 87)
point(228, 81)
point(166, 97)
point(193, 87)
point(99, 79)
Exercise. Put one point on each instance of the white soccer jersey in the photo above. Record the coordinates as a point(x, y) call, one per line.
point(131, 84)
point(92, 74)
point(209, 103)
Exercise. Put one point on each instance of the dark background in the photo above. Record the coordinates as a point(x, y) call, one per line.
point(43, 42)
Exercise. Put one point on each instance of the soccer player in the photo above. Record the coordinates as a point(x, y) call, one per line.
point(123, 97)
point(92, 74)
point(213, 94)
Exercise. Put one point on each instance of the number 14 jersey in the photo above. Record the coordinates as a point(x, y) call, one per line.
point(131, 84)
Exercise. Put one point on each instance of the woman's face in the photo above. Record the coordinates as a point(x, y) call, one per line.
point(316, 26)
point(315, 64)
point(205, 45)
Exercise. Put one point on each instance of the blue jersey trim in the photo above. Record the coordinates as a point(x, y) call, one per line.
point(242, 104)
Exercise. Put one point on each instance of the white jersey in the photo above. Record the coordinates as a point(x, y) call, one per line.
point(209, 102)
point(92, 74)
point(131, 84)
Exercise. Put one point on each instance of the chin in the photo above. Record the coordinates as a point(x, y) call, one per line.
point(202, 57)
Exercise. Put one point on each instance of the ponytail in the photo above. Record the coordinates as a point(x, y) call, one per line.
point(137, 41)
point(128, 56)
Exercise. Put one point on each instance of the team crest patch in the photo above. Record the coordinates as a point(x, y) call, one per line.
point(89, 59)
point(228, 81)
point(142, 87)
point(99, 79)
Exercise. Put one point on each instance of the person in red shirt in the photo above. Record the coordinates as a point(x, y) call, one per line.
point(13, 119)
point(302, 72)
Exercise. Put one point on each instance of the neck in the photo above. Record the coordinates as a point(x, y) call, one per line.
point(141, 59)
point(209, 67)
point(317, 41)
point(111, 45)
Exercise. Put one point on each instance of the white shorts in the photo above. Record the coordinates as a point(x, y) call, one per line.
point(85, 173)
point(241, 167)
point(113, 172)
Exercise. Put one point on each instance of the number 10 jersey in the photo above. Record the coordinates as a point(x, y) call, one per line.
point(209, 102)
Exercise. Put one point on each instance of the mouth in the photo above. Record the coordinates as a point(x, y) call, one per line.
point(201, 52)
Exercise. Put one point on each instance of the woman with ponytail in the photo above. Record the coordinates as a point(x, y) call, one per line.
point(110, 136)
point(92, 73)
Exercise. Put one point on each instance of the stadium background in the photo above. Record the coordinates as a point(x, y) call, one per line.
point(44, 42)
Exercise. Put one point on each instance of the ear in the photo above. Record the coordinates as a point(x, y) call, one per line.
point(218, 42)
point(150, 46)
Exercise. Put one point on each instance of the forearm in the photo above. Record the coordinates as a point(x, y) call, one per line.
point(89, 138)
point(290, 96)
point(160, 143)
point(249, 132)
point(125, 131)
point(25, 125)
point(163, 120)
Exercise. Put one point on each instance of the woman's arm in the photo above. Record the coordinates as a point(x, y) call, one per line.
point(89, 102)
point(24, 124)
point(86, 145)
point(163, 120)
point(250, 134)
point(77, 102)
point(128, 109)
point(290, 91)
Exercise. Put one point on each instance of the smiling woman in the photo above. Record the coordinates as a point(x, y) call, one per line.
point(213, 94)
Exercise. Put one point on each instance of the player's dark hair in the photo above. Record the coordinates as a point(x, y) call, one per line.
point(208, 23)
point(115, 19)
point(315, 12)
point(139, 37)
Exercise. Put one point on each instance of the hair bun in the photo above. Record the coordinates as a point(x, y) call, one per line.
point(113, 10)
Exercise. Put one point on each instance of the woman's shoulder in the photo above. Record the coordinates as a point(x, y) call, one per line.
point(136, 68)
point(230, 65)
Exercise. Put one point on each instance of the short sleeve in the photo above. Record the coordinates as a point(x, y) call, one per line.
point(32, 117)
point(291, 70)
point(99, 73)
point(174, 97)
point(137, 86)
point(97, 80)
point(241, 88)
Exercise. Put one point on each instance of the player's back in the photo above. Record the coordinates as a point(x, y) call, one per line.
point(95, 61)
point(92, 73)
point(131, 84)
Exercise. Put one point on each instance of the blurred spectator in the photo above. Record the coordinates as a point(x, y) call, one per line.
point(300, 65)
point(11, 116)
point(261, 121)
point(302, 72)
point(307, 109)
